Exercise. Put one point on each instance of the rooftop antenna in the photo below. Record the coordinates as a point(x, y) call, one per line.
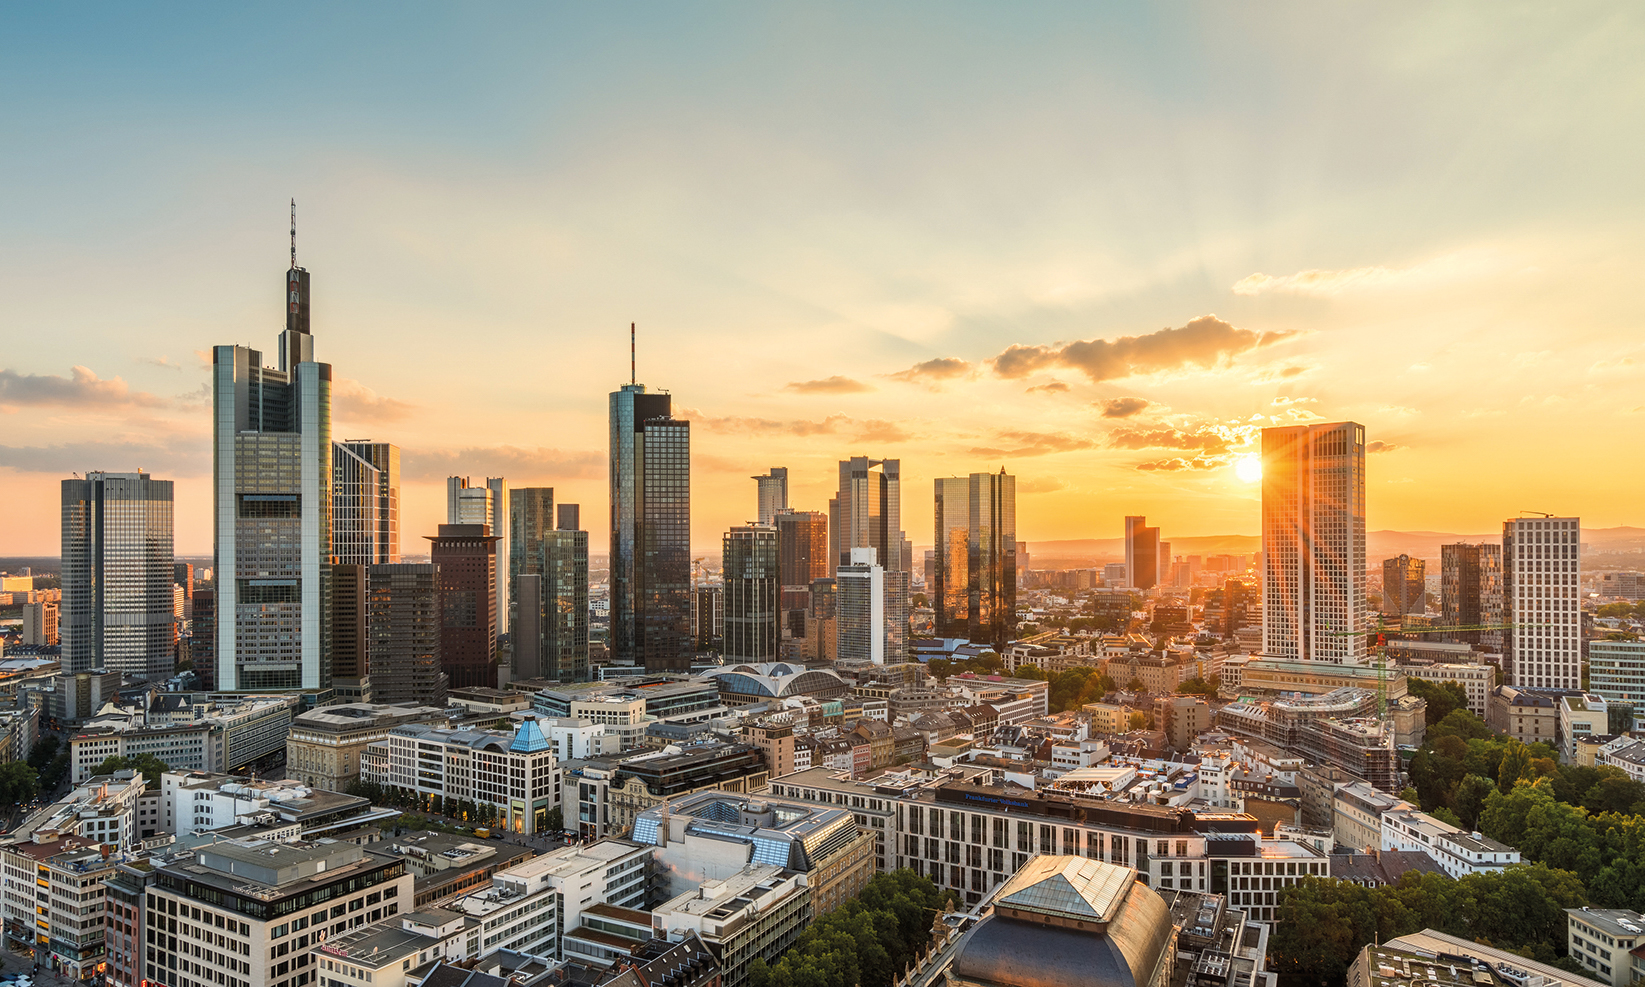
point(294, 234)
point(633, 376)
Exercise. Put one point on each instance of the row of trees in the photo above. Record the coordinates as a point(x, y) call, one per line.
point(1324, 923)
point(50, 761)
point(866, 942)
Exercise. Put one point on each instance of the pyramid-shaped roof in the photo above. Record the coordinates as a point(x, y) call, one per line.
point(1068, 887)
point(529, 738)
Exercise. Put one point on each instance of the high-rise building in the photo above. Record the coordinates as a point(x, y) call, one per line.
point(272, 478)
point(1404, 587)
point(751, 582)
point(568, 517)
point(707, 615)
point(1542, 574)
point(860, 608)
point(867, 513)
point(1470, 592)
point(487, 505)
point(565, 599)
point(772, 494)
point(40, 624)
point(802, 556)
point(350, 633)
point(1141, 554)
point(182, 574)
point(118, 608)
point(465, 557)
point(1313, 542)
point(530, 515)
point(365, 502)
point(822, 621)
point(650, 532)
point(975, 592)
point(405, 629)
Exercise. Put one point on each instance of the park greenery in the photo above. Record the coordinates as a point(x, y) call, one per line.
point(867, 942)
point(147, 765)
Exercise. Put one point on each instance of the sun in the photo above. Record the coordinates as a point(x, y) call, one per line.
point(1248, 468)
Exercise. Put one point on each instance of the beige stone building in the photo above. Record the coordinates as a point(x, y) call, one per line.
point(325, 745)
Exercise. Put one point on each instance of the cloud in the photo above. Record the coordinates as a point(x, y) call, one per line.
point(356, 402)
point(829, 385)
point(867, 430)
point(196, 399)
point(1174, 465)
point(1041, 484)
point(1285, 401)
point(179, 456)
point(1019, 444)
point(1123, 407)
point(161, 361)
point(1399, 410)
point(204, 356)
point(875, 430)
point(83, 388)
point(1203, 343)
point(510, 461)
point(1200, 440)
point(1316, 282)
point(1054, 387)
point(940, 369)
point(1612, 363)
point(1271, 375)
point(1381, 446)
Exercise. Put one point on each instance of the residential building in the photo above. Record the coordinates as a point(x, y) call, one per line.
point(1626, 585)
point(220, 733)
point(271, 453)
point(1183, 718)
point(465, 564)
point(751, 591)
point(1457, 851)
point(406, 636)
point(772, 496)
point(488, 505)
point(545, 905)
point(325, 745)
point(117, 607)
point(1542, 575)
point(1470, 592)
point(1625, 754)
point(866, 512)
point(514, 774)
point(1616, 674)
point(1404, 587)
point(1609, 941)
point(975, 595)
point(862, 620)
point(1065, 919)
point(1357, 811)
point(1313, 542)
point(650, 532)
point(204, 802)
point(1581, 717)
point(1385, 964)
point(756, 913)
point(386, 952)
point(40, 624)
point(1477, 680)
point(1142, 554)
point(365, 502)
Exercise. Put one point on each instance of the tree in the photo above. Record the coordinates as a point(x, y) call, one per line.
point(43, 752)
point(1443, 698)
point(1029, 672)
point(1139, 720)
point(149, 766)
point(1199, 687)
point(1135, 685)
point(18, 783)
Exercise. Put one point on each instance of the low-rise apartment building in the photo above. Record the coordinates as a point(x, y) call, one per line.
point(756, 913)
point(1608, 941)
point(1456, 851)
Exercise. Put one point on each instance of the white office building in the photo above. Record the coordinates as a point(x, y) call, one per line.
point(860, 614)
point(1616, 674)
point(516, 774)
point(1542, 574)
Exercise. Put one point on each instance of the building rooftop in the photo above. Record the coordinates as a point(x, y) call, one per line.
point(1619, 922)
point(1067, 887)
point(1438, 958)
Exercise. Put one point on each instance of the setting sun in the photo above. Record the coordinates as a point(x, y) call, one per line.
point(1248, 468)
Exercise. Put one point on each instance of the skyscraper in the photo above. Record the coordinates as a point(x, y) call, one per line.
point(272, 480)
point(1142, 554)
point(1404, 587)
point(565, 599)
point(403, 620)
point(975, 595)
point(118, 603)
point(1542, 572)
point(772, 493)
point(860, 616)
point(802, 556)
point(751, 583)
point(350, 634)
point(1470, 592)
point(1313, 542)
point(487, 505)
point(365, 502)
point(530, 516)
point(465, 559)
point(650, 532)
point(867, 513)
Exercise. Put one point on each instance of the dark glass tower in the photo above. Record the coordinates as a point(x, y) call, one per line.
point(650, 532)
point(117, 611)
point(751, 585)
point(465, 560)
point(975, 595)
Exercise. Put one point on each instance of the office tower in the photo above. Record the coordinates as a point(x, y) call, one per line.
point(867, 513)
point(365, 502)
point(860, 608)
point(465, 557)
point(707, 615)
point(1470, 592)
point(1404, 587)
point(40, 624)
point(350, 633)
point(802, 556)
point(751, 581)
point(1227, 609)
point(487, 505)
point(822, 621)
point(650, 532)
point(1313, 542)
point(1141, 554)
point(203, 646)
point(530, 514)
point(568, 517)
point(772, 494)
point(271, 459)
point(117, 607)
point(406, 629)
point(182, 574)
point(565, 601)
point(975, 592)
point(1542, 571)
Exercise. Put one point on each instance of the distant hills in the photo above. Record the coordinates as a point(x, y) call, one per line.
point(1378, 545)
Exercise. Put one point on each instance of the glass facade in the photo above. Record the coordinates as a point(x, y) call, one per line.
point(565, 605)
point(751, 589)
point(366, 502)
point(663, 584)
point(117, 611)
point(631, 407)
point(403, 621)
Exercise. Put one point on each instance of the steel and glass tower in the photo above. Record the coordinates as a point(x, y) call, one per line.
point(650, 531)
point(867, 513)
point(117, 611)
point(751, 591)
point(365, 502)
point(772, 495)
point(975, 595)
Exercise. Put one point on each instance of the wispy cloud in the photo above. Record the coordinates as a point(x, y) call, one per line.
point(1053, 387)
point(1327, 282)
point(179, 455)
point(161, 361)
point(1123, 407)
point(355, 402)
point(1202, 440)
point(1381, 446)
point(828, 385)
point(1175, 465)
point(83, 388)
point(1041, 484)
point(865, 430)
point(509, 461)
point(940, 369)
point(1016, 444)
point(1203, 343)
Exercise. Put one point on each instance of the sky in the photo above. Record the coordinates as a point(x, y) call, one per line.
point(1099, 246)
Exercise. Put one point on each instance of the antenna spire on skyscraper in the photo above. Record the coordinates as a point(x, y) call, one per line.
point(633, 374)
point(294, 234)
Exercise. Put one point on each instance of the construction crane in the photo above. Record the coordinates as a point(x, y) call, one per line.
point(1381, 648)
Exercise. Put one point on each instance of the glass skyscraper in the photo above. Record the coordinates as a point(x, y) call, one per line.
point(751, 589)
point(365, 502)
point(867, 513)
point(975, 595)
point(117, 611)
point(650, 532)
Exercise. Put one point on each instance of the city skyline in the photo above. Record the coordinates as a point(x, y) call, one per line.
point(1108, 263)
